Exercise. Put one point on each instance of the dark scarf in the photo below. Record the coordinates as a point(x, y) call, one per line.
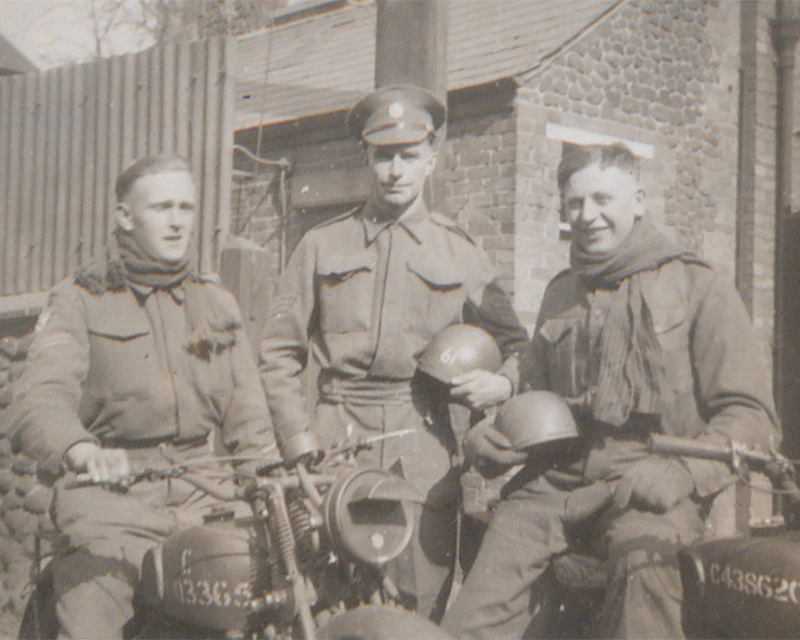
point(144, 270)
point(212, 326)
point(631, 367)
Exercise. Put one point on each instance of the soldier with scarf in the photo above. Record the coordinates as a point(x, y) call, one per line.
point(135, 360)
point(639, 335)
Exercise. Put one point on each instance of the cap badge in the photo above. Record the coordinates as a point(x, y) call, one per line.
point(396, 110)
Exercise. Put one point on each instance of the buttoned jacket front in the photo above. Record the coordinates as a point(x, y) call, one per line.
point(364, 298)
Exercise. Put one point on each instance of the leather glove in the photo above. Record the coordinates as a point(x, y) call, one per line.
point(656, 483)
point(489, 451)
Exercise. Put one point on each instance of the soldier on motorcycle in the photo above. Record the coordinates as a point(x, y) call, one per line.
point(362, 295)
point(639, 335)
point(136, 357)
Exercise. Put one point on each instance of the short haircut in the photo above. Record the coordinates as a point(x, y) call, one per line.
point(146, 166)
point(578, 157)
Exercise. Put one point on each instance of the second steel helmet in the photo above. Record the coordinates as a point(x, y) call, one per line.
point(458, 349)
point(535, 418)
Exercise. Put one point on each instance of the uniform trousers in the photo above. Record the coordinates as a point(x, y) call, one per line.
point(507, 590)
point(103, 537)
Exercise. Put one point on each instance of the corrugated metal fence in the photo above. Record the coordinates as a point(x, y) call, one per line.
point(66, 133)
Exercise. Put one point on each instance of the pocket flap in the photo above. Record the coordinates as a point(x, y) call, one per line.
point(343, 265)
point(437, 273)
point(555, 329)
point(667, 317)
point(119, 327)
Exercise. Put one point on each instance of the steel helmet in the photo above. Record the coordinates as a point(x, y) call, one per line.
point(458, 349)
point(535, 418)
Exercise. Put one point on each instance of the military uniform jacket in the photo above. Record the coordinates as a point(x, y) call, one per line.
point(717, 386)
point(364, 299)
point(116, 368)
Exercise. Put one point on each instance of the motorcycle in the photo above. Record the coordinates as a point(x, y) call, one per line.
point(743, 586)
point(308, 561)
point(738, 586)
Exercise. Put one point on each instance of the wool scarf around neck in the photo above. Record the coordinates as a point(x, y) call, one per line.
point(142, 269)
point(631, 367)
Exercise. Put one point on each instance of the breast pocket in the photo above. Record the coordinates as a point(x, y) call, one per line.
point(436, 294)
point(345, 288)
point(672, 332)
point(566, 361)
point(120, 355)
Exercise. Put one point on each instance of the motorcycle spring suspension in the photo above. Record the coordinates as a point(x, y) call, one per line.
point(300, 519)
point(286, 546)
point(282, 531)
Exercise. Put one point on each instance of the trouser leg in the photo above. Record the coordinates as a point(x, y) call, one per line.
point(104, 536)
point(644, 597)
point(94, 595)
point(423, 573)
point(506, 588)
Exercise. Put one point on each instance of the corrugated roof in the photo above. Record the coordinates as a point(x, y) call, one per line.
point(321, 63)
point(12, 60)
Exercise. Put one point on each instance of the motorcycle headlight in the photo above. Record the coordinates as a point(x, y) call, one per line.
point(367, 512)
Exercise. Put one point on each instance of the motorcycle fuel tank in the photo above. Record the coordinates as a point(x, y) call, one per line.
point(207, 575)
point(742, 587)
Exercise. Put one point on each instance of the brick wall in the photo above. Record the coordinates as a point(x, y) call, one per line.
point(480, 168)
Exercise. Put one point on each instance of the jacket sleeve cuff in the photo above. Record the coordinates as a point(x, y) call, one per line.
point(510, 369)
point(52, 464)
point(299, 444)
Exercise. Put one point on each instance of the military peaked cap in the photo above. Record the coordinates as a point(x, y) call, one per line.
point(402, 114)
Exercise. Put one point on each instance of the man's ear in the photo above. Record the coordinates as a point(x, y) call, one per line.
point(435, 143)
point(431, 163)
point(124, 218)
point(638, 203)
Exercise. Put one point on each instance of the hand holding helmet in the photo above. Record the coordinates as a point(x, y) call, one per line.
point(489, 451)
point(480, 389)
point(535, 423)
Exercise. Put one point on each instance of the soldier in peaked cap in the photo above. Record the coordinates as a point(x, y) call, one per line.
point(363, 294)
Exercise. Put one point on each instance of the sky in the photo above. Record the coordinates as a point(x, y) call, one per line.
point(52, 32)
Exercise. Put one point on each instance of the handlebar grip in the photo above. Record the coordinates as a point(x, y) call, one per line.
point(669, 445)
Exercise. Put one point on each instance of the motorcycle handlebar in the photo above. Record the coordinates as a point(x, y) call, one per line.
point(225, 493)
point(670, 445)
